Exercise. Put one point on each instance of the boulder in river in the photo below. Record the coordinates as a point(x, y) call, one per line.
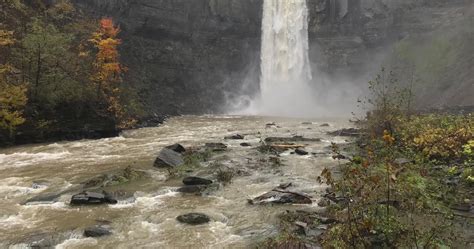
point(234, 137)
point(245, 145)
point(177, 148)
point(290, 139)
point(123, 176)
point(92, 198)
point(192, 189)
point(324, 125)
point(43, 199)
point(194, 218)
point(168, 159)
point(301, 152)
point(216, 146)
point(270, 125)
point(97, 231)
point(42, 240)
point(193, 180)
point(280, 196)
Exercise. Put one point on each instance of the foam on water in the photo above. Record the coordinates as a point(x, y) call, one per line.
point(17, 186)
point(222, 234)
point(77, 243)
point(8, 221)
point(152, 202)
point(21, 159)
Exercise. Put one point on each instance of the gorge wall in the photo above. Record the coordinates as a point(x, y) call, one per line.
point(190, 56)
point(185, 56)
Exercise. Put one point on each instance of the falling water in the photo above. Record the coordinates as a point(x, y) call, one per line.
point(285, 66)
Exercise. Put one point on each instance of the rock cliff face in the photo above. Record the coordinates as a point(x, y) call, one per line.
point(354, 38)
point(349, 33)
point(187, 56)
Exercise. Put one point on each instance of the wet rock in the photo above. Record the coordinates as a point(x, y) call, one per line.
point(168, 159)
point(43, 199)
point(301, 152)
point(177, 148)
point(124, 176)
point(97, 231)
point(245, 145)
point(192, 180)
point(234, 137)
point(307, 123)
point(348, 132)
point(285, 185)
point(216, 146)
point(92, 198)
point(192, 189)
point(194, 218)
point(290, 139)
point(41, 240)
point(279, 196)
point(324, 125)
point(270, 125)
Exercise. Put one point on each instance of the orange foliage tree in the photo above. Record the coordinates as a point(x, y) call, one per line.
point(108, 71)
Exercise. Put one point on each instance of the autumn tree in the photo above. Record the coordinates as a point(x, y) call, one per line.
point(12, 91)
point(108, 71)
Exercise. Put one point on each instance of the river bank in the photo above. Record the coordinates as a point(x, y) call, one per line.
point(407, 184)
point(73, 131)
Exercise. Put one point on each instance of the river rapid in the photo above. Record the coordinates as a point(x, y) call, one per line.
point(147, 217)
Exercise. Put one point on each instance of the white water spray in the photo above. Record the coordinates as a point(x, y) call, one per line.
point(285, 66)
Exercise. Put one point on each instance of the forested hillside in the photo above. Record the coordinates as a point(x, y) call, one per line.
point(60, 74)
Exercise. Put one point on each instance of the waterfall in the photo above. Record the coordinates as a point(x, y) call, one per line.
point(284, 51)
point(285, 66)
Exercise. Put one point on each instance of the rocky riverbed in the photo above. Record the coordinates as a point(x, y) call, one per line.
point(194, 182)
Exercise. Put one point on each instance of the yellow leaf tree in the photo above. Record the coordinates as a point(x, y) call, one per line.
point(12, 94)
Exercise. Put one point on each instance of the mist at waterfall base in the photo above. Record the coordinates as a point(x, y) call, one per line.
point(288, 85)
point(321, 97)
